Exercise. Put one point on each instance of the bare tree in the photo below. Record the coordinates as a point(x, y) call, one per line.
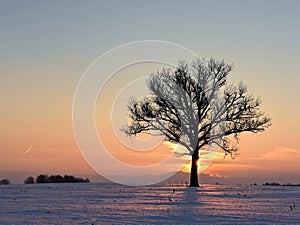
point(194, 106)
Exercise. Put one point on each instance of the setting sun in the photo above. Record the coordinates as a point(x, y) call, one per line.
point(149, 112)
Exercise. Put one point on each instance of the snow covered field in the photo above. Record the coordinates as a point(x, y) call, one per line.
point(115, 204)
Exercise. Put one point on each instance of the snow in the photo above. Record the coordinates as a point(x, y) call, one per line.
point(96, 203)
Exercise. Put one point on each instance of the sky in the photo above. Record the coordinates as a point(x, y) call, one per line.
point(45, 47)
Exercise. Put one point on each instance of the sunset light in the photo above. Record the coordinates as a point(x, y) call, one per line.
point(149, 112)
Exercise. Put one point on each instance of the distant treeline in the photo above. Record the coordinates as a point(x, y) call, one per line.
point(4, 182)
point(44, 178)
point(278, 184)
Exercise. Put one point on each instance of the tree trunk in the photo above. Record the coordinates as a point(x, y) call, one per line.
point(194, 169)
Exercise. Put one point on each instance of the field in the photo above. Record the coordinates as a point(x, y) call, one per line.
point(96, 203)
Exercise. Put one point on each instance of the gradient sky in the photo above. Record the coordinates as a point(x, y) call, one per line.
point(45, 46)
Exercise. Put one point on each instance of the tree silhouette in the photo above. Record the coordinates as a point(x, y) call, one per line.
point(29, 180)
point(56, 179)
point(194, 106)
point(4, 182)
point(42, 178)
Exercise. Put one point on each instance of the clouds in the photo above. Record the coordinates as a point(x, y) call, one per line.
point(282, 154)
point(282, 163)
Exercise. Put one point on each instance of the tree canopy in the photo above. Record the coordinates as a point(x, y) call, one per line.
point(195, 106)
